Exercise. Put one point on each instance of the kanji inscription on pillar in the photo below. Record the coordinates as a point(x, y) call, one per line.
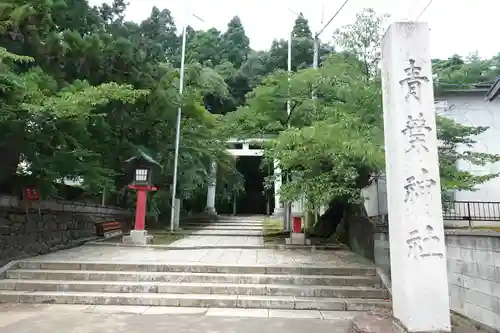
point(418, 186)
point(416, 130)
point(413, 80)
point(417, 242)
point(424, 245)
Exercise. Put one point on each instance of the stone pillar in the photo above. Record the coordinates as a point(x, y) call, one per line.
point(211, 189)
point(417, 243)
point(278, 205)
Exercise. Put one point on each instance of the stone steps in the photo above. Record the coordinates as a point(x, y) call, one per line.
point(193, 288)
point(239, 219)
point(226, 221)
point(223, 222)
point(222, 231)
point(223, 225)
point(305, 280)
point(199, 268)
point(220, 227)
point(195, 300)
point(195, 285)
point(235, 233)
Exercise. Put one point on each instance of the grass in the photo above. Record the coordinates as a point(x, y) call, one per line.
point(165, 238)
point(273, 231)
point(272, 226)
point(497, 229)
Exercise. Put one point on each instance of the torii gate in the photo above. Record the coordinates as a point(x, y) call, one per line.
point(242, 147)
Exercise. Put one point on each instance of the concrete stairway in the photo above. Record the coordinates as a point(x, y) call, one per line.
point(225, 226)
point(269, 287)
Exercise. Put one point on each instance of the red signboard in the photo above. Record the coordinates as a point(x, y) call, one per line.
point(31, 194)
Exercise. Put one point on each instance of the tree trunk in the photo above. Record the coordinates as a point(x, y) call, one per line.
point(328, 222)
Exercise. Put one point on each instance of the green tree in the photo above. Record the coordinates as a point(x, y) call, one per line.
point(458, 73)
point(256, 67)
point(97, 87)
point(332, 145)
point(457, 144)
point(161, 31)
point(362, 38)
point(301, 28)
point(206, 47)
point(322, 166)
point(236, 42)
point(43, 128)
point(302, 48)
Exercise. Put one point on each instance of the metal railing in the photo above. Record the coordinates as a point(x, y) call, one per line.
point(470, 211)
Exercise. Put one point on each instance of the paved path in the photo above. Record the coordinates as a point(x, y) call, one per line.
point(42, 318)
point(217, 240)
point(245, 228)
point(103, 253)
point(28, 318)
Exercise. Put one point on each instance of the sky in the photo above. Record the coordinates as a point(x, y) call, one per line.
point(460, 27)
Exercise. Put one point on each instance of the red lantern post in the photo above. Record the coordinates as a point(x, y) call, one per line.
point(141, 167)
point(140, 206)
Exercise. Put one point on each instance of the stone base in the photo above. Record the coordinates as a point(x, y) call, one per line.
point(297, 239)
point(138, 237)
point(378, 323)
point(211, 210)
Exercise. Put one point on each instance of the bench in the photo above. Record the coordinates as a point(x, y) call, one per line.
point(109, 229)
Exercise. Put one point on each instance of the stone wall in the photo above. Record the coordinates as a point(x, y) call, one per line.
point(473, 261)
point(27, 231)
point(62, 206)
point(474, 275)
point(382, 254)
point(360, 231)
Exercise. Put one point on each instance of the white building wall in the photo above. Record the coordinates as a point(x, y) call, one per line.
point(473, 110)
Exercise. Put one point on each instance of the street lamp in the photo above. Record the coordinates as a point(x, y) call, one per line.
point(178, 126)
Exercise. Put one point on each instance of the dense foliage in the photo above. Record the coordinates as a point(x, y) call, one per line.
point(81, 88)
point(332, 145)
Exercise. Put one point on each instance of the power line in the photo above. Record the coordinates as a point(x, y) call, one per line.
point(331, 19)
point(423, 11)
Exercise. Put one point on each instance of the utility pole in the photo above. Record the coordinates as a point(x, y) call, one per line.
point(288, 106)
point(178, 125)
point(316, 43)
point(316, 52)
point(316, 36)
point(315, 59)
